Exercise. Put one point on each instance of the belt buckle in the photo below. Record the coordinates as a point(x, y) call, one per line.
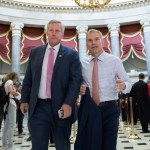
point(47, 99)
point(102, 103)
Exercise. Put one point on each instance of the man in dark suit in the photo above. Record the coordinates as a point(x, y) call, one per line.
point(43, 104)
point(139, 93)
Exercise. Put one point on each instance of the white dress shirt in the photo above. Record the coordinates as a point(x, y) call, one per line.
point(108, 66)
point(42, 89)
point(7, 84)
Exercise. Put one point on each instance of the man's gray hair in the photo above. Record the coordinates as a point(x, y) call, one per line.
point(56, 21)
point(96, 31)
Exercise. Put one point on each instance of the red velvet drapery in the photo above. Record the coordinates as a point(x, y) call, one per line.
point(131, 41)
point(5, 43)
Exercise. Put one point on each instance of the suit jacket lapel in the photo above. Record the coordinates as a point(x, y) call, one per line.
point(59, 58)
point(41, 57)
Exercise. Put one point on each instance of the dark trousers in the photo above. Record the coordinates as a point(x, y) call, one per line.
point(1, 116)
point(51, 137)
point(41, 123)
point(110, 122)
point(143, 114)
point(20, 117)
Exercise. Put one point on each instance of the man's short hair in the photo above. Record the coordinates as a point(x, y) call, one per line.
point(57, 21)
point(141, 76)
point(96, 31)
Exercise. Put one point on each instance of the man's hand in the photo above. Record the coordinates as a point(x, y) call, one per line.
point(120, 85)
point(24, 107)
point(82, 89)
point(77, 102)
point(67, 110)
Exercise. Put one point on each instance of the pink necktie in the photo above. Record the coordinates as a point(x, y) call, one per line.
point(95, 86)
point(50, 66)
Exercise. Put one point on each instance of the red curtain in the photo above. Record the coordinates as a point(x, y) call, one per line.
point(70, 42)
point(106, 39)
point(132, 41)
point(31, 37)
point(5, 43)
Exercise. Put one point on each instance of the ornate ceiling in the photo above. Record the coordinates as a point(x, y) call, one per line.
point(38, 12)
point(69, 5)
point(63, 2)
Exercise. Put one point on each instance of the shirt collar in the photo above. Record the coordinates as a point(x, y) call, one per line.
point(101, 57)
point(56, 47)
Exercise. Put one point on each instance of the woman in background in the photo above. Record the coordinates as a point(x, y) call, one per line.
point(1, 108)
point(10, 120)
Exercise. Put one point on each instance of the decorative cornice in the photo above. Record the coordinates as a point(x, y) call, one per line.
point(73, 9)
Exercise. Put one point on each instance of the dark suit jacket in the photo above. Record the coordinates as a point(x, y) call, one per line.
point(66, 80)
point(89, 135)
point(139, 93)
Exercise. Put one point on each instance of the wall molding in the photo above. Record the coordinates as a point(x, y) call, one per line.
point(68, 9)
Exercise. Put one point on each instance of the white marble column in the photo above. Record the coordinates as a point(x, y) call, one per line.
point(146, 28)
point(114, 34)
point(16, 28)
point(81, 30)
point(45, 30)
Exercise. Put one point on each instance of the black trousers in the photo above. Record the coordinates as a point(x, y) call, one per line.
point(20, 117)
point(144, 117)
point(1, 116)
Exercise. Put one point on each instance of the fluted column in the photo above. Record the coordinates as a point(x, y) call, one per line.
point(81, 30)
point(146, 28)
point(114, 34)
point(16, 28)
point(45, 30)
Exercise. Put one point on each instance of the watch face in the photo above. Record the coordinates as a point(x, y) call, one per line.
point(60, 113)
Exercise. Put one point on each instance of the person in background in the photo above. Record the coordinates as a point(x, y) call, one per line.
point(134, 108)
point(105, 76)
point(148, 83)
point(10, 121)
point(52, 82)
point(29, 137)
point(123, 106)
point(140, 95)
point(1, 110)
point(20, 115)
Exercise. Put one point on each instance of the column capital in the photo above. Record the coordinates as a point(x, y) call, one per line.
point(146, 25)
point(114, 29)
point(16, 28)
point(82, 31)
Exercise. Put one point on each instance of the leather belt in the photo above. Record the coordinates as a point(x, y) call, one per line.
point(107, 103)
point(45, 100)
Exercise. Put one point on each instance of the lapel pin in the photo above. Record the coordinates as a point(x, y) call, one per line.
point(60, 55)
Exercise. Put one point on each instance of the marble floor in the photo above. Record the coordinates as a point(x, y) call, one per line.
point(125, 141)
